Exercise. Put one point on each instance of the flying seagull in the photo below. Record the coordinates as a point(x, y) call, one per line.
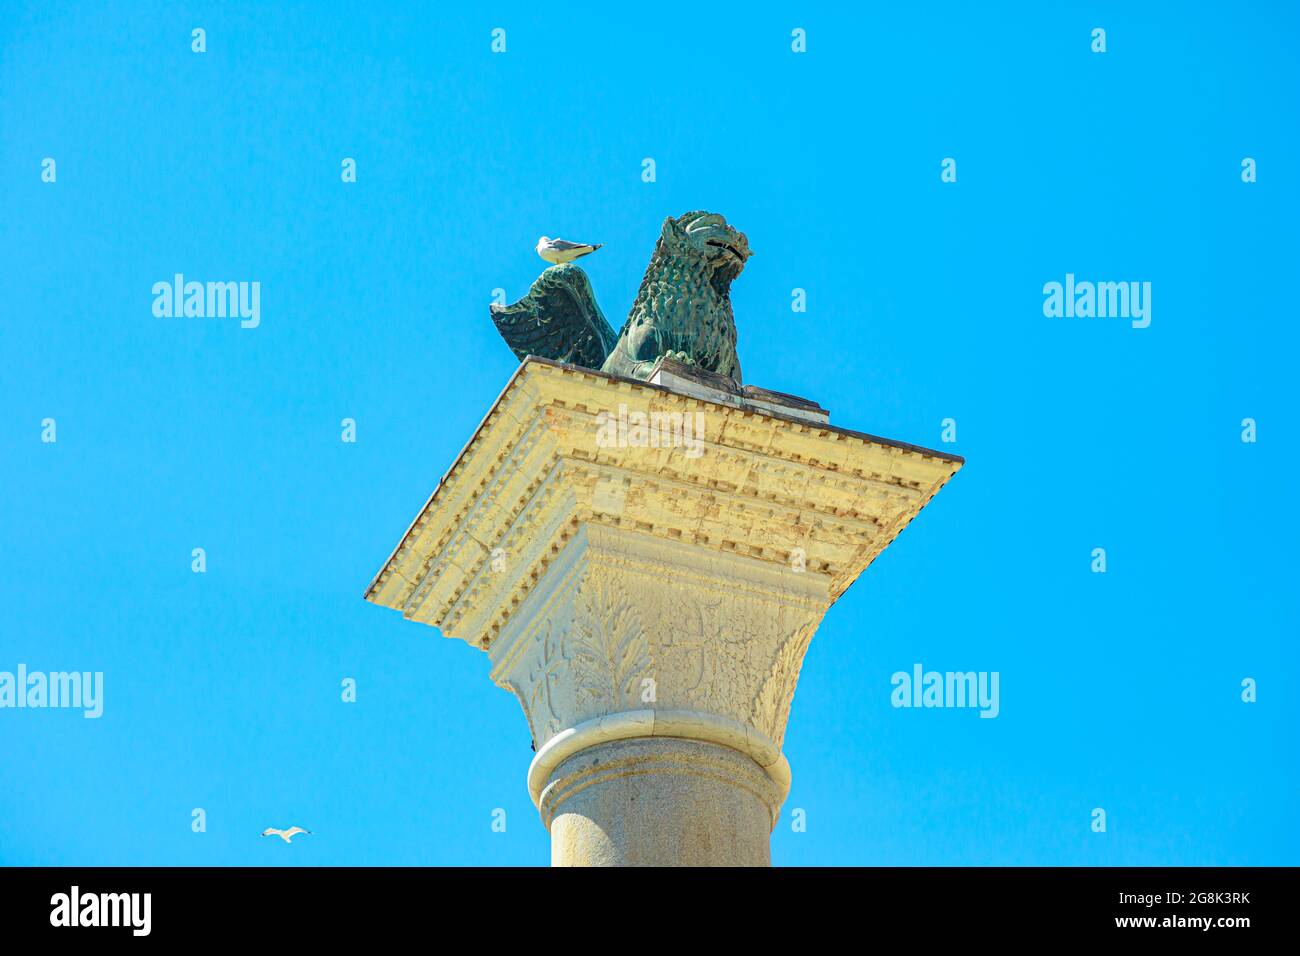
point(285, 835)
point(561, 250)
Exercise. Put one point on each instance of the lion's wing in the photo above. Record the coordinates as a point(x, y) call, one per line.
point(558, 319)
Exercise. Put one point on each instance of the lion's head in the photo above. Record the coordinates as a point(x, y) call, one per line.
point(705, 236)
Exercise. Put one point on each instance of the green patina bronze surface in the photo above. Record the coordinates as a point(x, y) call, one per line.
point(682, 310)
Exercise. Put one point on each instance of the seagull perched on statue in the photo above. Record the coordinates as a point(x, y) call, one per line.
point(562, 250)
point(285, 835)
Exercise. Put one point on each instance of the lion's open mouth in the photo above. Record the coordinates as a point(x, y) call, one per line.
point(725, 245)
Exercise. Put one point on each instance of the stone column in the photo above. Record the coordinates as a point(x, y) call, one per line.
point(645, 565)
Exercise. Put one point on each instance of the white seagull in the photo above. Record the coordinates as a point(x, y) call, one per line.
point(561, 250)
point(285, 835)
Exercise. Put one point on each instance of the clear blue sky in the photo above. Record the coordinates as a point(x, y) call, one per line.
point(222, 691)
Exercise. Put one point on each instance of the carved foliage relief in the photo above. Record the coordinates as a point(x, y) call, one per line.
point(631, 639)
point(610, 652)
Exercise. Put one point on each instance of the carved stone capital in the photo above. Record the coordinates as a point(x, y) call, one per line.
point(626, 623)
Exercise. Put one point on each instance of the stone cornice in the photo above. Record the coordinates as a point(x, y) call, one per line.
point(765, 486)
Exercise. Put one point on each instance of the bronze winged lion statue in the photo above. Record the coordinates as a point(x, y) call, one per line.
point(682, 310)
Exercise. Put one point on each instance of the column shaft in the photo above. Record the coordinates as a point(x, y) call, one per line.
point(660, 801)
